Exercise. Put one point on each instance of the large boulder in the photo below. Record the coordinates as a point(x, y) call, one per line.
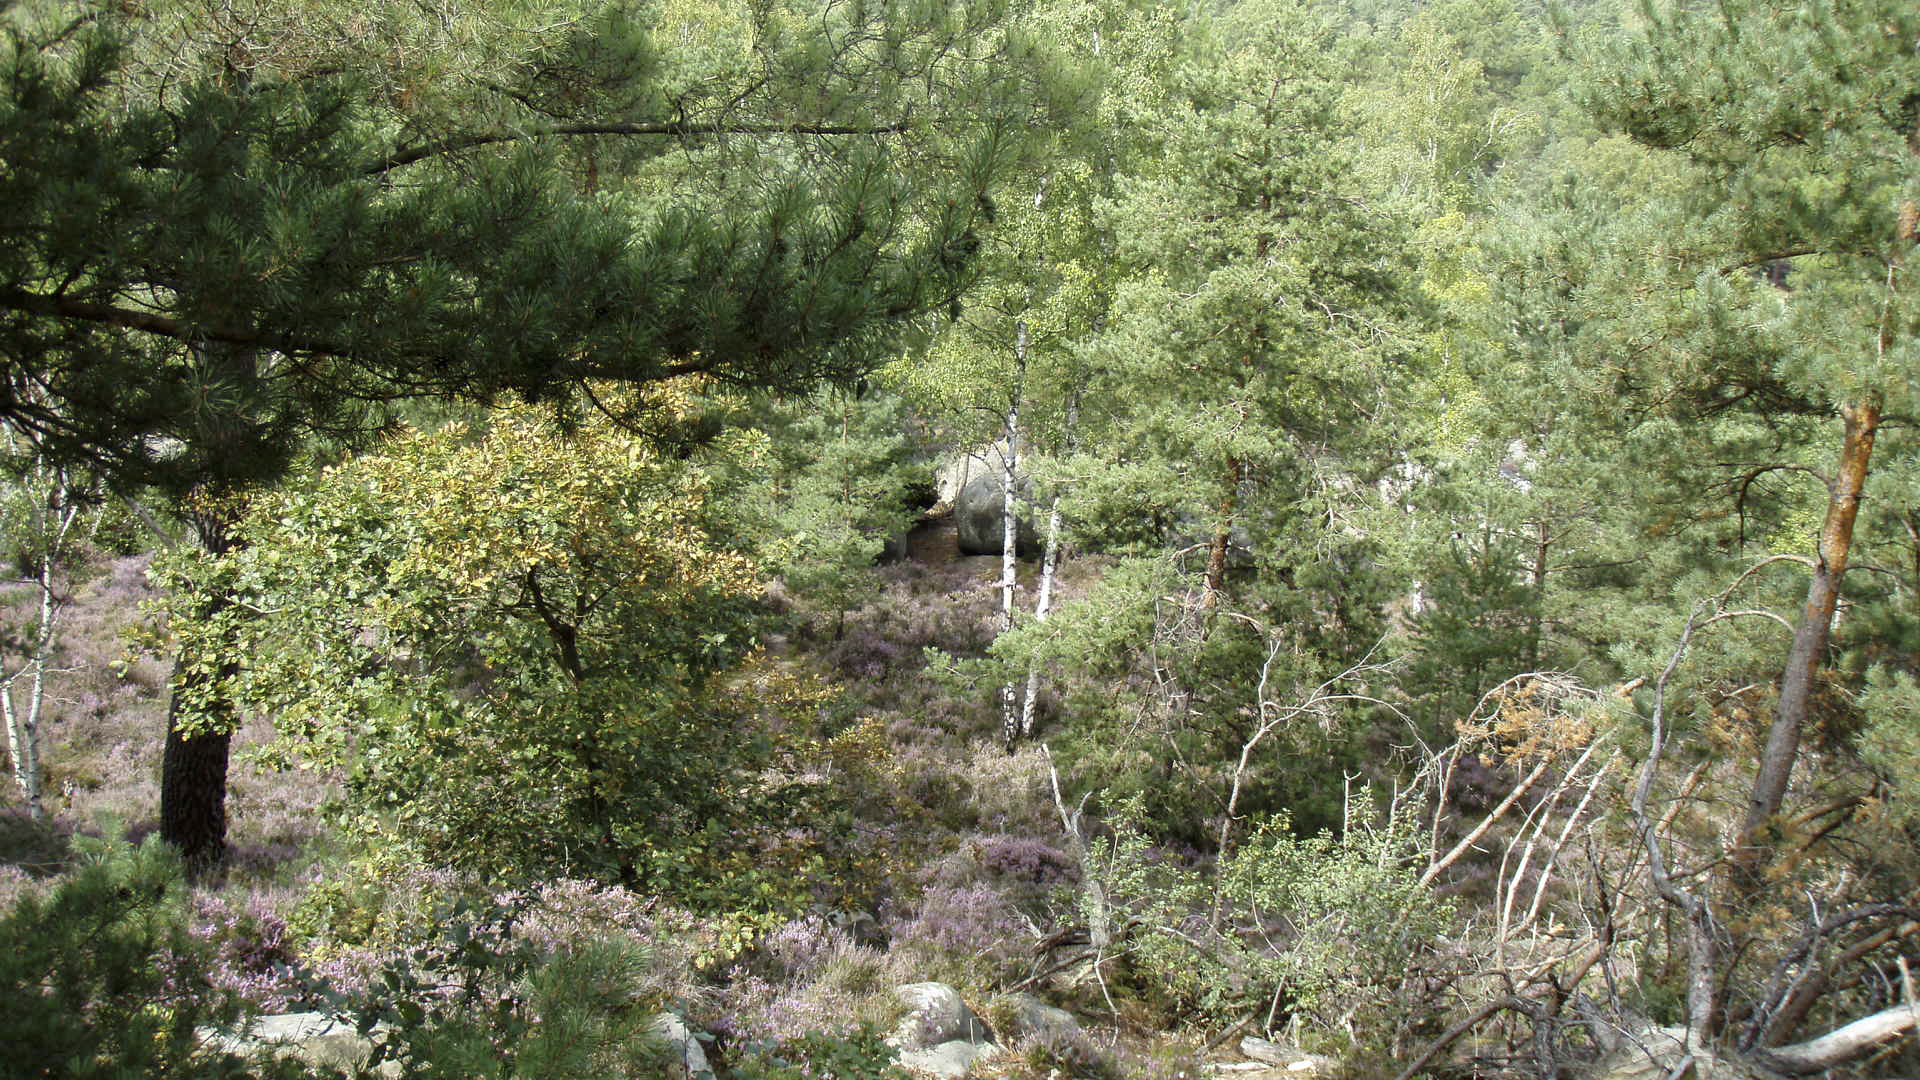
point(936, 1014)
point(954, 473)
point(1027, 1016)
point(1658, 1053)
point(1292, 1061)
point(979, 516)
point(950, 1060)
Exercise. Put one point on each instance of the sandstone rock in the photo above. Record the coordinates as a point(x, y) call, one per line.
point(978, 516)
point(1654, 1054)
point(936, 1015)
point(312, 1037)
point(949, 1059)
point(1292, 1061)
point(1031, 1016)
point(954, 473)
point(689, 1056)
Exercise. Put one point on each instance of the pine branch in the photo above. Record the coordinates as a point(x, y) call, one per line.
point(67, 307)
point(420, 152)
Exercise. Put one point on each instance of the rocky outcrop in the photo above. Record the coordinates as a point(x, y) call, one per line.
point(311, 1037)
point(321, 1040)
point(1029, 1017)
point(1294, 1062)
point(954, 473)
point(1668, 1053)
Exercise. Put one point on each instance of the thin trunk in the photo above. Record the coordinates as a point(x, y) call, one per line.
point(1010, 532)
point(1218, 548)
point(1810, 637)
point(1705, 992)
point(1912, 521)
point(23, 750)
point(24, 742)
point(1049, 566)
point(840, 602)
point(1536, 623)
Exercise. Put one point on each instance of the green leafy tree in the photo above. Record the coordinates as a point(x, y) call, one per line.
point(525, 652)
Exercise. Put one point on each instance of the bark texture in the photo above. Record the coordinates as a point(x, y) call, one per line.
point(193, 791)
point(1810, 636)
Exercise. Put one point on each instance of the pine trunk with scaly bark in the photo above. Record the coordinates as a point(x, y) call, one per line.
point(1810, 636)
point(1219, 547)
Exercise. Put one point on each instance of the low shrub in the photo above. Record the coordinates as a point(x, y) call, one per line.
point(858, 1055)
point(102, 978)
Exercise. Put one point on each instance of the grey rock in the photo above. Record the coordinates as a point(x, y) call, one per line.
point(978, 516)
point(690, 1058)
point(936, 1015)
point(1656, 1054)
point(312, 1037)
point(948, 1059)
point(291, 1027)
point(1031, 1016)
point(953, 473)
point(1294, 1061)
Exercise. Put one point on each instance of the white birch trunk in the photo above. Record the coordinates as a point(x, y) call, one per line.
point(1010, 530)
point(24, 736)
point(1049, 567)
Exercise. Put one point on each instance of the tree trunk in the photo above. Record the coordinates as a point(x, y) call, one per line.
point(1844, 1044)
point(1049, 566)
point(201, 719)
point(1010, 541)
point(1217, 548)
point(1809, 638)
point(23, 725)
point(1536, 622)
point(60, 508)
point(193, 782)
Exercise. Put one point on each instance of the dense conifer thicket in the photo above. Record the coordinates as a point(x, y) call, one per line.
point(1386, 528)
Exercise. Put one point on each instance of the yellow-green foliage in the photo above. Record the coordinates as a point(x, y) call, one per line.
point(528, 651)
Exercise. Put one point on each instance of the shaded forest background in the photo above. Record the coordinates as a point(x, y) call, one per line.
point(1388, 528)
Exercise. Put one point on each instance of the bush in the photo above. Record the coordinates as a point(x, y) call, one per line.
point(102, 979)
point(1326, 929)
point(546, 669)
point(860, 1055)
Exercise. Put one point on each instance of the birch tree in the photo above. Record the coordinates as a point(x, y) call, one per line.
point(45, 502)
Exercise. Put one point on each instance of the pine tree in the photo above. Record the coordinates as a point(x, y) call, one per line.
point(1799, 119)
point(216, 251)
point(1251, 343)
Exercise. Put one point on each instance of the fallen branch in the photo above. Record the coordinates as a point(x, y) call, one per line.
point(1479, 831)
point(1845, 1043)
point(1452, 1034)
